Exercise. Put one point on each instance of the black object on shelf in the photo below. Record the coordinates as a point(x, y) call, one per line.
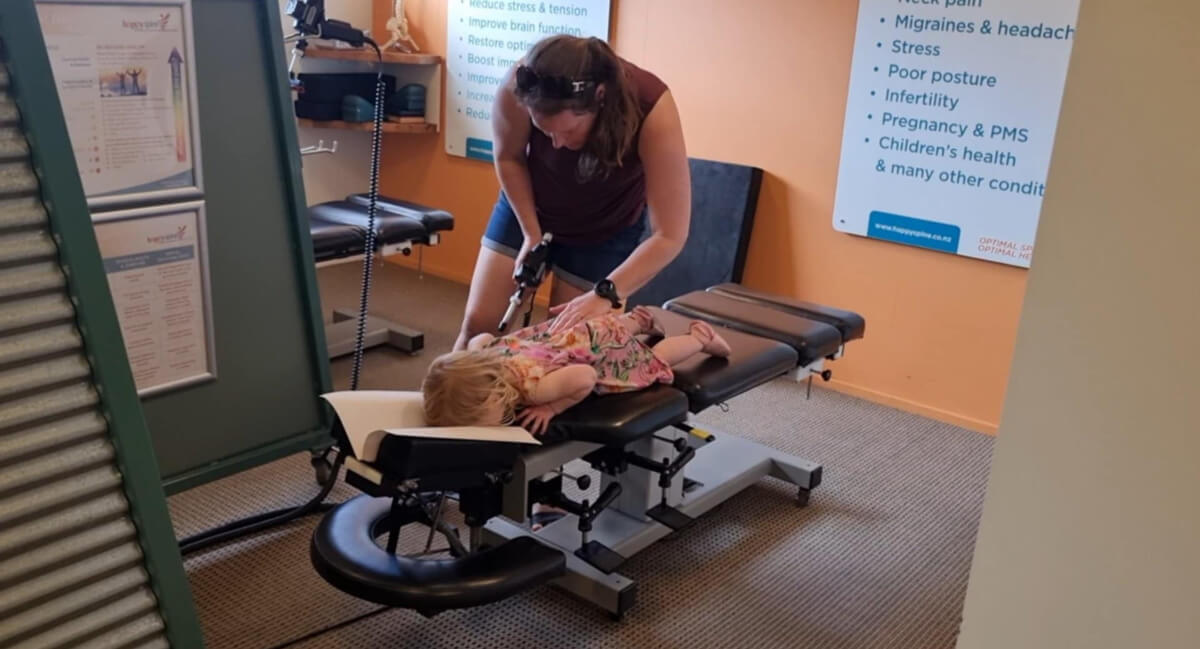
point(408, 101)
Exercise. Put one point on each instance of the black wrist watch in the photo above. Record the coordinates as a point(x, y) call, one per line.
point(607, 290)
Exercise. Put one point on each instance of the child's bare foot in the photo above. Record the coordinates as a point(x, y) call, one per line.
point(646, 321)
point(712, 342)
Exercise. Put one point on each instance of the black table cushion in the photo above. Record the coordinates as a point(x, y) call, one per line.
point(389, 228)
point(344, 552)
point(812, 340)
point(707, 380)
point(333, 240)
point(433, 219)
point(850, 324)
point(618, 419)
point(403, 458)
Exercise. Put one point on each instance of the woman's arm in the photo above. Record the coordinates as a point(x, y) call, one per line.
point(668, 195)
point(510, 135)
point(669, 198)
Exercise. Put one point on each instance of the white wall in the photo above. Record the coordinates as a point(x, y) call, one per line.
point(1090, 535)
point(333, 176)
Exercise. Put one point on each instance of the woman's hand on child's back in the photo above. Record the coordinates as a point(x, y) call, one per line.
point(536, 419)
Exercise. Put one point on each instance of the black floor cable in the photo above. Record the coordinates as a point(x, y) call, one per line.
point(332, 627)
point(259, 522)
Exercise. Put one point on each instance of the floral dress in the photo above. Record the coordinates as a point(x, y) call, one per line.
point(623, 363)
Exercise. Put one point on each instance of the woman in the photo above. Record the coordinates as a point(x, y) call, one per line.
point(589, 148)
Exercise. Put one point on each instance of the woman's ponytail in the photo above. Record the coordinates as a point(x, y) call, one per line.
point(619, 113)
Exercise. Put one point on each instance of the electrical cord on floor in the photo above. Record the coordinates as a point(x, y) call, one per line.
point(259, 522)
point(333, 627)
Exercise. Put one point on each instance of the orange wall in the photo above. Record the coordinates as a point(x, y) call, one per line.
point(764, 83)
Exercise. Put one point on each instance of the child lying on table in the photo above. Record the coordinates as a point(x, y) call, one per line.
point(530, 376)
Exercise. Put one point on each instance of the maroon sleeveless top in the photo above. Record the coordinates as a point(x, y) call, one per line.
point(579, 211)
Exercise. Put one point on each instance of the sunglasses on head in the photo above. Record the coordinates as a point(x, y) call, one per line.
point(551, 87)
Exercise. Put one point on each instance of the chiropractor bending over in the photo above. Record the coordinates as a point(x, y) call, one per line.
point(589, 148)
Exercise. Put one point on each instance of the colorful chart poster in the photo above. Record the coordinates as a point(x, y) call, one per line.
point(125, 80)
point(154, 259)
point(950, 123)
point(485, 39)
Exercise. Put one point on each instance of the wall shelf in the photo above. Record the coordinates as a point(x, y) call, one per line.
point(387, 127)
point(367, 55)
point(422, 69)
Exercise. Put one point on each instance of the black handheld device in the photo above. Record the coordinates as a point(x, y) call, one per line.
point(309, 19)
point(529, 277)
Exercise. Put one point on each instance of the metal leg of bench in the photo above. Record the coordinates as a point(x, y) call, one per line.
point(730, 463)
point(534, 464)
point(614, 593)
point(341, 333)
point(721, 469)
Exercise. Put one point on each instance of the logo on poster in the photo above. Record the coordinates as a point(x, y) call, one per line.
point(159, 25)
point(178, 235)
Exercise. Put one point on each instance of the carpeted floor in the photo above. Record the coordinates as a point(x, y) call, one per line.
point(879, 558)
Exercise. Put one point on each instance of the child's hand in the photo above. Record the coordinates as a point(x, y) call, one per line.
point(536, 419)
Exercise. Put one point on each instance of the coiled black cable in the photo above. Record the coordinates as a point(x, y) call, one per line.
point(259, 522)
point(364, 298)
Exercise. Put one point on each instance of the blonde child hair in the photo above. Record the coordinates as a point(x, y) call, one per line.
point(462, 388)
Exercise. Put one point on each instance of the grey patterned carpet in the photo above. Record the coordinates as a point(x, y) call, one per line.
point(879, 558)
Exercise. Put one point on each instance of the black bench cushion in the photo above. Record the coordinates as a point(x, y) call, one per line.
point(333, 240)
point(427, 459)
point(343, 551)
point(618, 419)
point(812, 340)
point(707, 380)
point(389, 228)
point(433, 219)
point(851, 325)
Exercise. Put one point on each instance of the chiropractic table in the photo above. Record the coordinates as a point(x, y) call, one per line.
point(339, 235)
point(658, 472)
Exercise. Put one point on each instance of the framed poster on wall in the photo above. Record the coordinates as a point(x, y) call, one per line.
point(156, 262)
point(484, 39)
point(950, 123)
point(125, 73)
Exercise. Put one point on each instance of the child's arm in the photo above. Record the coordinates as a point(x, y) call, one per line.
point(556, 392)
point(564, 387)
point(478, 342)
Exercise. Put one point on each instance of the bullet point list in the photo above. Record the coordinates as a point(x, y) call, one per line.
point(945, 126)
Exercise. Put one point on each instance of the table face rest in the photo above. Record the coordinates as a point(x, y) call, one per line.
point(344, 553)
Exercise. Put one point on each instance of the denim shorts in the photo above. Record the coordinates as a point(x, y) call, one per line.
point(581, 265)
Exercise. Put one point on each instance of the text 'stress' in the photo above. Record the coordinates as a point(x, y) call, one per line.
point(950, 123)
point(485, 39)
